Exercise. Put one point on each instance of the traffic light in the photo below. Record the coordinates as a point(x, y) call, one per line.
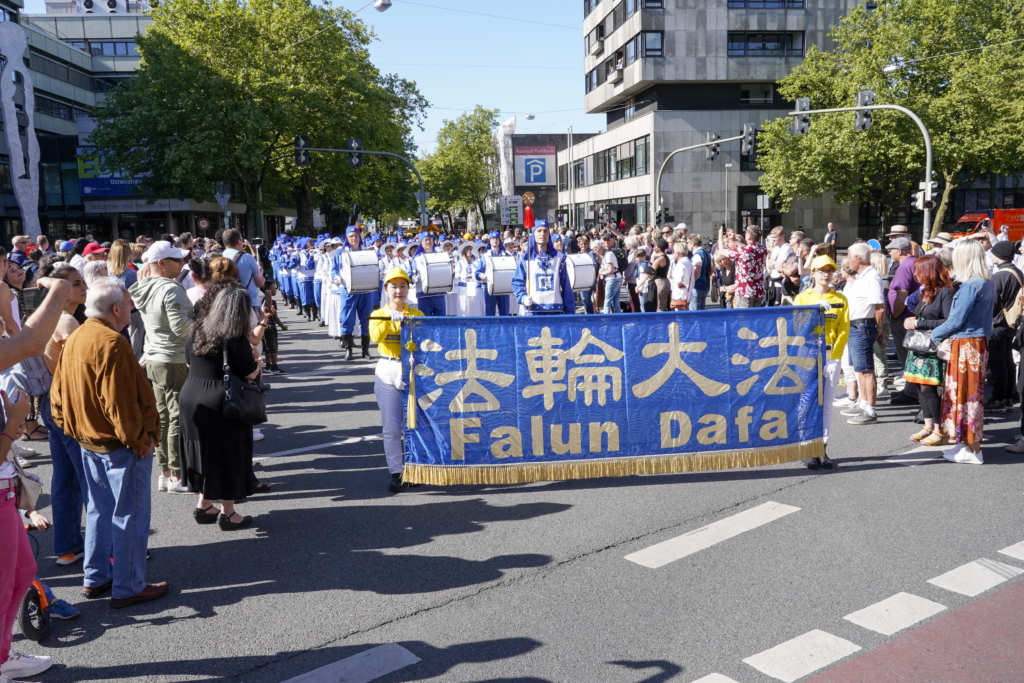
point(865, 98)
point(711, 151)
point(355, 160)
point(301, 153)
point(802, 122)
point(919, 200)
point(749, 136)
point(931, 193)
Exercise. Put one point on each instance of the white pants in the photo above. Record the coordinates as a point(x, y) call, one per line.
point(332, 313)
point(389, 399)
point(830, 380)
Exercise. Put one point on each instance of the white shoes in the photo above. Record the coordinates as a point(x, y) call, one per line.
point(960, 453)
point(844, 402)
point(1017, 447)
point(162, 483)
point(257, 435)
point(23, 451)
point(176, 487)
point(881, 391)
point(19, 665)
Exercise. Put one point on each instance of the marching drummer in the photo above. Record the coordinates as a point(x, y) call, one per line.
point(469, 302)
point(541, 282)
point(492, 304)
point(304, 270)
point(353, 305)
point(430, 304)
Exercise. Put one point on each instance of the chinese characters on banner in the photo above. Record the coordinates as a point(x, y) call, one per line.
point(515, 399)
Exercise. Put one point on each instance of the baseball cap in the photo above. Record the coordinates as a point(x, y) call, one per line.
point(66, 246)
point(607, 236)
point(161, 250)
point(898, 243)
point(94, 248)
point(823, 261)
point(397, 274)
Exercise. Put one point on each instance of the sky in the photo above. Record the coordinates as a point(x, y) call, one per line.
point(460, 59)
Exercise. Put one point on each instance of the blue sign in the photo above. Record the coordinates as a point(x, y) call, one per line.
point(94, 180)
point(536, 170)
point(512, 399)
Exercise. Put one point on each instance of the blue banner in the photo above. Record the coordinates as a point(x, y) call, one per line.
point(514, 399)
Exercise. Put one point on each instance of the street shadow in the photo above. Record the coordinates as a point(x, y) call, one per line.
point(666, 669)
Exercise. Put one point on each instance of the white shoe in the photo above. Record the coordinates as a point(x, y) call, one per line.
point(881, 391)
point(950, 453)
point(1017, 447)
point(23, 451)
point(176, 487)
point(899, 383)
point(844, 402)
point(25, 464)
point(257, 435)
point(965, 457)
point(162, 483)
point(19, 665)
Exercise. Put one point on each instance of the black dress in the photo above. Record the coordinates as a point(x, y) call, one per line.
point(216, 452)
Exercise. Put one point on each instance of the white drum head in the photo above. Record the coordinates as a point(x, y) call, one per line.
point(500, 270)
point(360, 270)
point(582, 272)
point(437, 274)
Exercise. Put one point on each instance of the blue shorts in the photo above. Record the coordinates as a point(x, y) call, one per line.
point(863, 334)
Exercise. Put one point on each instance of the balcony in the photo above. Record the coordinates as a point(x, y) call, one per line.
point(615, 75)
point(597, 48)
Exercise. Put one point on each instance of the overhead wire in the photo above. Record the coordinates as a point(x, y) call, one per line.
point(493, 16)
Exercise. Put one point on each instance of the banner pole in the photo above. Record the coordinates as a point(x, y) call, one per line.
point(821, 341)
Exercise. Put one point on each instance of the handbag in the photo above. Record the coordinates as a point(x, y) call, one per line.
point(29, 488)
point(714, 293)
point(243, 399)
point(945, 350)
point(32, 376)
point(920, 342)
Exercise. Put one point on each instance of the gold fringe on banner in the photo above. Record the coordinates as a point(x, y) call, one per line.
point(448, 475)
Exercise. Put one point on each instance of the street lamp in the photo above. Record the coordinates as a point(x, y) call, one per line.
point(890, 68)
point(382, 5)
point(727, 212)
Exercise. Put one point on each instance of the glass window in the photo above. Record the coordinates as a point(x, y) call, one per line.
point(109, 50)
point(121, 49)
point(641, 156)
point(5, 174)
point(630, 52)
point(653, 44)
point(70, 178)
point(759, 44)
point(654, 4)
point(52, 185)
point(133, 49)
point(618, 15)
point(756, 93)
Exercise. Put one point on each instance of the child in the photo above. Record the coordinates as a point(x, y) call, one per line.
point(270, 335)
point(386, 332)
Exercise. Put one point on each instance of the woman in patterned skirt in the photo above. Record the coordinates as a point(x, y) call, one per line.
point(968, 327)
point(925, 369)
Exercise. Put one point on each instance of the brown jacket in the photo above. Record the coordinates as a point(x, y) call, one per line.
point(100, 396)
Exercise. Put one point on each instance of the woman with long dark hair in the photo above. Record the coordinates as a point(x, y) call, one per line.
point(216, 450)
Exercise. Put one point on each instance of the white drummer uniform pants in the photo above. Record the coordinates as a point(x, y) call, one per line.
point(386, 380)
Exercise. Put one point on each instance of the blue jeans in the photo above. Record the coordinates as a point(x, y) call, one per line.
point(432, 305)
point(863, 334)
point(700, 300)
point(611, 295)
point(117, 519)
point(588, 301)
point(68, 492)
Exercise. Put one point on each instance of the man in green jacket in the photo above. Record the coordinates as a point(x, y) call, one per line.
point(166, 314)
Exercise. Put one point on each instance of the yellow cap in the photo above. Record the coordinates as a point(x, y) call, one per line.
point(823, 261)
point(397, 274)
point(467, 236)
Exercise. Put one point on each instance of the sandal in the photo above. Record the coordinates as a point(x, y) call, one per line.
point(935, 439)
point(921, 435)
point(31, 436)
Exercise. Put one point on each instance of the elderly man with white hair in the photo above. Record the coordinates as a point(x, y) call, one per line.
point(867, 310)
point(102, 398)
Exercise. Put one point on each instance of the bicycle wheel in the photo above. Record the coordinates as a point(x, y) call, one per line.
point(33, 620)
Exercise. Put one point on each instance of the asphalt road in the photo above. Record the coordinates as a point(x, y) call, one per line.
point(530, 583)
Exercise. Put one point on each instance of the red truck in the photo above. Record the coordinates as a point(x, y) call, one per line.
point(970, 223)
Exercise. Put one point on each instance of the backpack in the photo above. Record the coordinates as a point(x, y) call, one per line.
point(1013, 313)
point(623, 261)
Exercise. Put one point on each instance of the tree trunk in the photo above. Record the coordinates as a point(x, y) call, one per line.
point(940, 211)
point(302, 194)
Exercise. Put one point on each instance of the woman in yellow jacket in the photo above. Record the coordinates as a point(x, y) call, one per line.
point(386, 332)
point(837, 332)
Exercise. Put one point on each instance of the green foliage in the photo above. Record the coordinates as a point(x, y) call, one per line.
point(462, 171)
point(223, 88)
point(970, 102)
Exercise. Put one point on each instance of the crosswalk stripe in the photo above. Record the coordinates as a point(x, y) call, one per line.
point(694, 541)
point(714, 678)
point(918, 455)
point(361, 668)
point(802, 656)
point(895, 614)
point(304, 449)
point(1016, 551)
point(976, 577)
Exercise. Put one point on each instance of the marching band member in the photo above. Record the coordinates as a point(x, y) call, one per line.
point(293, 275)
point(354, 306)
point(304, 270)
point(556, 240)
point(386, 332)
point(318, 279)
point(469, 302)
point(541, 282)
point(429, 304)
point(286, 275)
point(321, 275)
point(332, 307)
point(492, 304)
point(451, 299)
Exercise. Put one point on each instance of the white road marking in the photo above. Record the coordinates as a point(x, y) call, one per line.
point(802, 656)
point(343, 442)
point(919, 455)
point(714, 678)
point(895, 613)
point(976, 577)
point(1016, 551)
point(361, 668)
point(694, 541)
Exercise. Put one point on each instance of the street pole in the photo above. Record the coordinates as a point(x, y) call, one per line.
point(728, 218)
point(421, 196)
point(571, 221)
point(924, 134)
point(661, 171)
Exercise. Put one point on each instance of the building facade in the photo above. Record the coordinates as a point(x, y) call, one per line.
point(667, 72)
point(75, 55)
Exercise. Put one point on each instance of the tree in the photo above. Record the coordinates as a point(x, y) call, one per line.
point(462, 171)
point(968, 98)
point(222, 89)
